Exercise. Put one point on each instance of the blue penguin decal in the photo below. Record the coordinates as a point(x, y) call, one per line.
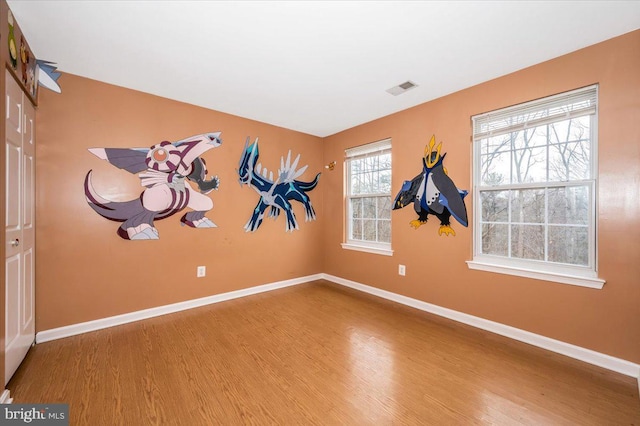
point(433, 192)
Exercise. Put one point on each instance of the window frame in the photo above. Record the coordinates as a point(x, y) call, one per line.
point(586, 276)
point(368, 150)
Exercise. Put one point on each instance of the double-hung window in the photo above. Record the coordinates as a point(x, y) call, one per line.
point(535, 185)
point(368, 198)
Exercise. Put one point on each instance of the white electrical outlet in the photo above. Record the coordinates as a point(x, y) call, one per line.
point(402, 270)
point(201, 271)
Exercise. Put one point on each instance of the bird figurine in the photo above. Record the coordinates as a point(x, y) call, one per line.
point(433, 192)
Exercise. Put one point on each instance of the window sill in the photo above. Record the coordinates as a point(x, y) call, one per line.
point(367, 249)
point(577, 280)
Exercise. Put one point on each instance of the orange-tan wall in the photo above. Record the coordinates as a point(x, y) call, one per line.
point(606, 320)
point(86, 272)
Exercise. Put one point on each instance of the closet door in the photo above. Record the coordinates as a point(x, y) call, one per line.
point(19, 226)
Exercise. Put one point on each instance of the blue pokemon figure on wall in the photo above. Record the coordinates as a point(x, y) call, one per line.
point(47, 75)
point(276, 195)
point(164, 171)
point(433, 192)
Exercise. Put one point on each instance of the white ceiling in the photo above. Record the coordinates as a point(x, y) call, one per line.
point(315, 67)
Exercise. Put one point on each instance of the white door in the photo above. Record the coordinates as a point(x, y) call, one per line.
point(19, 227)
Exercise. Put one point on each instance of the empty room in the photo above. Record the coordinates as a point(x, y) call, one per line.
point(320, 213)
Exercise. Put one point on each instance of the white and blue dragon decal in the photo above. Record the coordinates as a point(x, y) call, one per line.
point(276, 195)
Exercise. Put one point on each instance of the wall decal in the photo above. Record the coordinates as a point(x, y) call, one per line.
point(47, 75)
point(278, 194)
point(433, 192)
point(163, 169)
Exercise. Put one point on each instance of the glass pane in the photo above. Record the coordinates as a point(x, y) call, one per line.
point(384, 207)
point(529, 165)
point(576, 129)
point(529, 138)
point(569, 205)
point(496, 144)
point(495, 239)
point(527, 241)
point(527, 206)
point(370, 175)
point(385, 181)
point(375, 182)
point(495, 168)
point(356, 207)
point(372, 163)
point(495, 205)
point(356, 183)
point(385, 161)
point(569, 244)
point(570, 161)
point(369, 229)
point(366, 184)
point(369, 208)
point(364, 165)
point(384, 231)
point(356, 229)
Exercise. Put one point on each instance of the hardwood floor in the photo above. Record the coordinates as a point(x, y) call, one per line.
point(316, 353)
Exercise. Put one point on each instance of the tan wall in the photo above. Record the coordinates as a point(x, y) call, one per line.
point(606, 320)
point(85, 271)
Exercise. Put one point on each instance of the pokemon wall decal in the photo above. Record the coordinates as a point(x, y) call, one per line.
point(278, 194)
point(163, 169)
point(48, 75)
point(433, 192)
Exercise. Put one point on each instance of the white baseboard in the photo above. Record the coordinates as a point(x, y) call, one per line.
point(592, 357)
point(74, 329)
point(5, 398)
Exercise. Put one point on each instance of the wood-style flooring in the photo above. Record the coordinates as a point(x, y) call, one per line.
point(316, 354)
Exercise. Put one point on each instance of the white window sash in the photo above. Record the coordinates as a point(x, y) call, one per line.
point(373, 149)
point(490, 124)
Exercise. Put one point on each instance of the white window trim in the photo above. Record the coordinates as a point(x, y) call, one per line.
point(352, 245)
point(559, 273)
point(489, 264)
point(372, 247)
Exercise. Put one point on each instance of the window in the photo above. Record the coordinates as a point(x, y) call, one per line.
point(535, 180)
point(368, 198)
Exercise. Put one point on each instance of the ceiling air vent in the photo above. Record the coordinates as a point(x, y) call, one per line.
point(401, 88)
